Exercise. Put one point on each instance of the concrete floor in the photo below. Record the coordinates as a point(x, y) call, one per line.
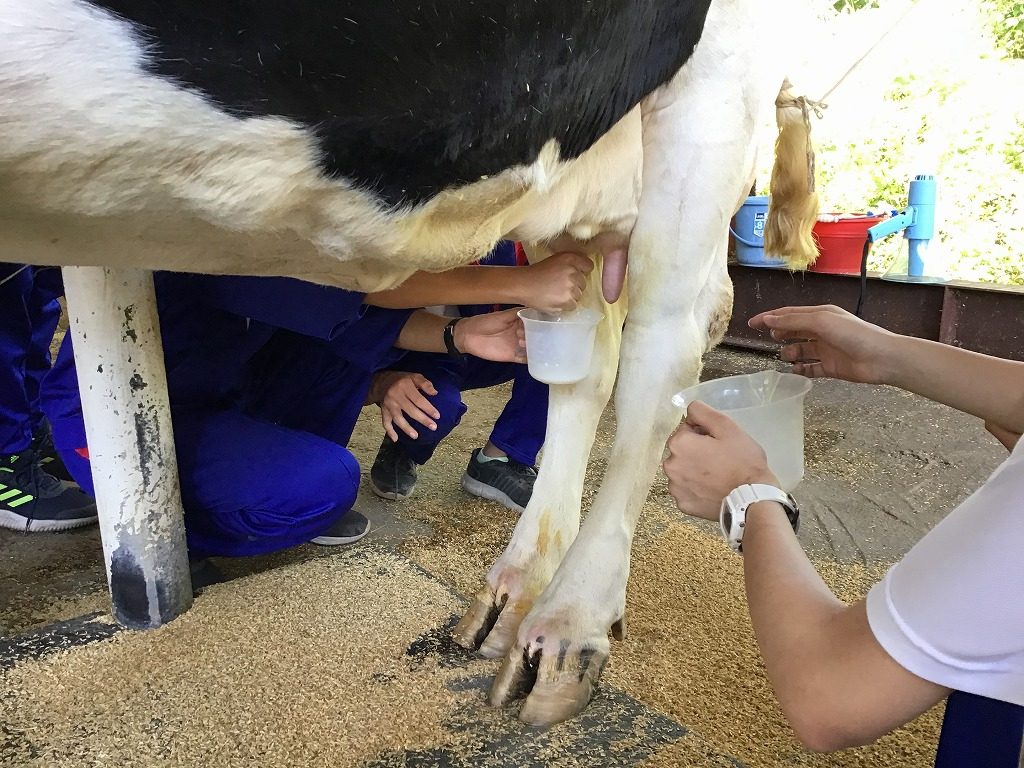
point(882, 468)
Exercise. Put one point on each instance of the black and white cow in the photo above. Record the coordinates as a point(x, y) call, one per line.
point(351, 143)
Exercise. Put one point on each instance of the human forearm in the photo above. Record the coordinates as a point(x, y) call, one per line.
point(837, 686)
point(990, 388)
point(553, 285)
point(462, 285)
point(791, 609)
point(423, 332)
point(828, 341)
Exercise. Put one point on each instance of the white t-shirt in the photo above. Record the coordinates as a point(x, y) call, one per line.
point(952, 610)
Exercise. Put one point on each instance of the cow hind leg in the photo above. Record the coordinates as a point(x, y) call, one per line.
point(562, 645)
point(697, 161)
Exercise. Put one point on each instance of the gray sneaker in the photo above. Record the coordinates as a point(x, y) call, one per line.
point(33, 500)
point(393, 474)
point(348, 530)
point(508, 482)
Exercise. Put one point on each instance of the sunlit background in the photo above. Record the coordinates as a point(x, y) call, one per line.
point(941, 92)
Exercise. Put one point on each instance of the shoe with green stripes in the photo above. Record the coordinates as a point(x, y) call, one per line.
point(49, 459)
point(33, 500)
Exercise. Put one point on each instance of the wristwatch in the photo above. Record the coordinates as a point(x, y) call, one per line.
point(449, 340)
point(733, 516)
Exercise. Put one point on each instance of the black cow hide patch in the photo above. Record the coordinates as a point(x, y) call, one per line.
point(408, 98)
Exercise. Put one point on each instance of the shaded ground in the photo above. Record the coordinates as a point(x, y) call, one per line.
point(341, 657)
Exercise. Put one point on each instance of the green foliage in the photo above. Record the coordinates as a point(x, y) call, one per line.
point(1013, 150)
point(953, 114)
point(979, 165)
point(1007, 25)
point(853, 5)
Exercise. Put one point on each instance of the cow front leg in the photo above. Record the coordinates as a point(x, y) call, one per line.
point(551, 520)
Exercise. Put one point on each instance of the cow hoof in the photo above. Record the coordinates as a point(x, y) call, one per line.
point(558, 679)
point(490, 624)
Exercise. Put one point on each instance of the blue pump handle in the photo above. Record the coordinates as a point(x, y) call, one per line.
point(892, 225)
point(918, 218)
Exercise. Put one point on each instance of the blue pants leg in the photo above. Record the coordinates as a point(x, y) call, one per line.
point(15, 340)
point(249, 486)
point(519, 430)
point(44, 313)
point(62, 406)
point(293, 475)
point(978, 732)
point(522, 425)
point(300, 383)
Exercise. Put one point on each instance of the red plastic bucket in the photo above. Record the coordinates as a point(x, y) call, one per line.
point(841, 244)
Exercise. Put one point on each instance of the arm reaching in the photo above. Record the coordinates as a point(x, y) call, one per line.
point(828, 341)
point(553, 285)
point(836, 684)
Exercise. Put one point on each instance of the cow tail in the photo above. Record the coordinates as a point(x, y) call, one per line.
point(794, 202)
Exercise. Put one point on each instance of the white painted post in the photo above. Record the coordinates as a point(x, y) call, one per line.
point(123, 383)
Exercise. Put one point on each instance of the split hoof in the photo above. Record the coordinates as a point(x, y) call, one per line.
point(490, 624)
point(558, 679)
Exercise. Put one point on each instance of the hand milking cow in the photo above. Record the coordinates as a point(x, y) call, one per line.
point(353, 143)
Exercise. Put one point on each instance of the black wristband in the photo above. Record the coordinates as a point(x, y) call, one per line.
point(449, 339)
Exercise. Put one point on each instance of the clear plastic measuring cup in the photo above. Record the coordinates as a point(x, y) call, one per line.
point(769, 406)
point(559, 346)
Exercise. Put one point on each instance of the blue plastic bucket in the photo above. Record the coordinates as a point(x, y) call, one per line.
point(748, 231)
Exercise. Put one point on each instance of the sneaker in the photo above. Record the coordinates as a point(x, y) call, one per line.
point(31, 499)
point(393, 474)
point(503, 480)
point(49, 459)
point(349, 529)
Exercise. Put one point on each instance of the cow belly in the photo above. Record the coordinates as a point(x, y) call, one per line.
point(104, 163)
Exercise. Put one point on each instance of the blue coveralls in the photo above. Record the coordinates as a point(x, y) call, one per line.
point(29, 312)
point(520, 428)
point(266, 378)
point(979, 732)
point(261, 415)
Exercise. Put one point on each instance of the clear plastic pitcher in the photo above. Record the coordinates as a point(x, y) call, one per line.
point(559, 346)
point(769, 406)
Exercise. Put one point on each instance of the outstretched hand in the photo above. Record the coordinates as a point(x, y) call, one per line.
point(709, 456)
point(829, 341)
point(614, 247)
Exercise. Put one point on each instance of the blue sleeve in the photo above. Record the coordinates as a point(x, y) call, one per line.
point(321, 312)
point(370, 342)
point(503, 255)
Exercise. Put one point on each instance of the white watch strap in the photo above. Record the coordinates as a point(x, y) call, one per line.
point(733, 517)
point(750, 494)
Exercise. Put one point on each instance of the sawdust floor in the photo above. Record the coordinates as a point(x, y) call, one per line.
point(342, 658)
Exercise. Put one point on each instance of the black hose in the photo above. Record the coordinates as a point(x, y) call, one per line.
point(863, 279)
